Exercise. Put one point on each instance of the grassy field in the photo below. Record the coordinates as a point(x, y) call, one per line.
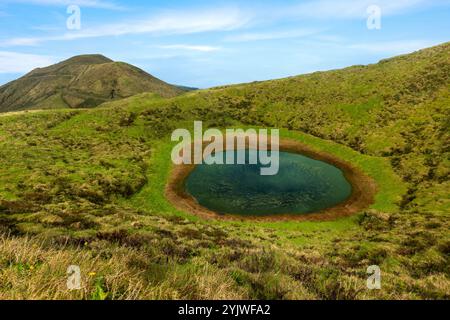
point(86, 188)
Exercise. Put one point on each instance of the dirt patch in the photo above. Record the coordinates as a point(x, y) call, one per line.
point(364, 189)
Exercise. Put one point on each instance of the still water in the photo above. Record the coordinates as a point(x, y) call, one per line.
point(302, 185)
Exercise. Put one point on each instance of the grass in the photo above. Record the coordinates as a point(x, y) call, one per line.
point(80, 82)
point(151, 198)
point(86, 188)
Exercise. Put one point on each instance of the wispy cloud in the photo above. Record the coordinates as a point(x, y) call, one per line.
point(190, 47)
point(257, 36)
point(333, 38)
point(393, 47)
point(17, 42)
point(221, 19)
point(350, 9)
point(169, 23)
point(14, 62)
point(100, 4)
point(46, 28)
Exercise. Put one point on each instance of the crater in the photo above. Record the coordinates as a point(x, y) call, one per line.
point(310, 185)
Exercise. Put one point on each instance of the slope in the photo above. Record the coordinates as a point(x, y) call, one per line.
point(80, 82)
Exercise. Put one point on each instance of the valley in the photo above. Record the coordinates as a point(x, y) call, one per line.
point(87, 185)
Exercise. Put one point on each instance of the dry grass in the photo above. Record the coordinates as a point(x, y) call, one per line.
point(35, 269)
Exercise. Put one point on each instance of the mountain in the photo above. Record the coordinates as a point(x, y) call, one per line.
point(80, 82)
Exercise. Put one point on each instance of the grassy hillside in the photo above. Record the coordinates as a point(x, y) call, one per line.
point(86, 187)
point(398, 109)
point(80, 82)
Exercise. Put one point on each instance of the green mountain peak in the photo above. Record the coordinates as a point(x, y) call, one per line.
point(82, 81)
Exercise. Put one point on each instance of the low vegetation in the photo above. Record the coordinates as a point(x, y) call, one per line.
point(86, 187)
point(80, 82)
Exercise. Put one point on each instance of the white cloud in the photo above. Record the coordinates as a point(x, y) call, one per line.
point(350, 9)
point(174, 22)
point(190, 47)
point(14, 62)
point(21, 42)
point(329, 38)
point(220, 19)
point(46, 28)
point(100, 4)
point(244, 37)
point(393, 47)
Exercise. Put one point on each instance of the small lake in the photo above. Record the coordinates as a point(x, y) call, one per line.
point(302, 185)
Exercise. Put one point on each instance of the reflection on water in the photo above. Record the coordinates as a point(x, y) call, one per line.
point(303, 185)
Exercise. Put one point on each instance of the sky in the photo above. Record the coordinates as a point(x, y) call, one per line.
point(203, 43)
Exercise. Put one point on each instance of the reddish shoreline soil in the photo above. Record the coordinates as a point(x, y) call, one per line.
point(363, 193)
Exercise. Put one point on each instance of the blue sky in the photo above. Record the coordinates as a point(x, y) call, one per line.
point(209, 43)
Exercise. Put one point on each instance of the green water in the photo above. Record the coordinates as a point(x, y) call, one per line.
point(302, 185)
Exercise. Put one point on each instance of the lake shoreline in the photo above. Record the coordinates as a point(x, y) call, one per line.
point(363, 193)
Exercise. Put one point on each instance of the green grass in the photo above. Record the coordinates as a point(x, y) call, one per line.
point(390, 187)
point(87, 187)
point(80, 82)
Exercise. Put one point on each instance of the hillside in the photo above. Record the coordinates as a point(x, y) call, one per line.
point(398, 108)
point(80, 82)
point(87, 187)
